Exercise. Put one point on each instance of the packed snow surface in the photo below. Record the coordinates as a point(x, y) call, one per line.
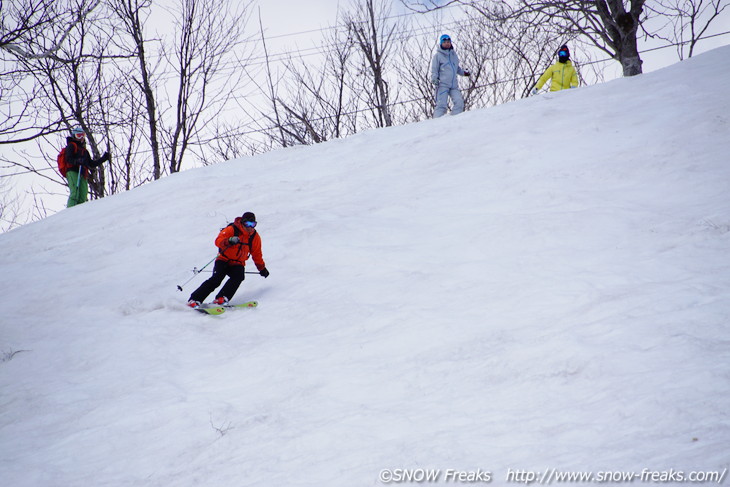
point(542, 286)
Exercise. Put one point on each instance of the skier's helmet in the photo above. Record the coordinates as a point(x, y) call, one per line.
point(78, 133)
point(249, 220)
point(563, 53)
point(443, 38)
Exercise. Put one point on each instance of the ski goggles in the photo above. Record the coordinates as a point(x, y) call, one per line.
point(248, 224)
point(563, 53)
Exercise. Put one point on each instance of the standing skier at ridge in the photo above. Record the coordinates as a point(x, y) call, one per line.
point(76, 166)
point(236, 243)
point(562, 74)
point(444, 68)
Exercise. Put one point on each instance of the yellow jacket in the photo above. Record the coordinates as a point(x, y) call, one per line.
point(561, 75)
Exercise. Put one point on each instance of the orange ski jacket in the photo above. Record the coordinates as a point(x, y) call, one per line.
point(238, 254)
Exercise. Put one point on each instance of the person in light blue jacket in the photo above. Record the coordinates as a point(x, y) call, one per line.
point(444, 68)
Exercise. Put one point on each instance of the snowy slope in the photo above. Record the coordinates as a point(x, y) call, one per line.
point(540, 285)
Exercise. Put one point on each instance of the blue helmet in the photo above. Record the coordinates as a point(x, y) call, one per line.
point(78, 133)
point(443, 38)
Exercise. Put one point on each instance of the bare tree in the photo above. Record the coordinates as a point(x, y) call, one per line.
point(32, 31)
point(374, 35)
point(21, 119)
point(228, 141)
point(272, 93)
point(24, 23)
point(207, 32)
point(504, 58)
point(69, 88)
point(689, 21)
point(611, 25)
point(414, 74)
point(89, 63)
point(128, 138)
point(318, 104)
point(617, 32)
point(132, 14)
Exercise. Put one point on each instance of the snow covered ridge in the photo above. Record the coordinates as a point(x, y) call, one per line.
point(539, 285)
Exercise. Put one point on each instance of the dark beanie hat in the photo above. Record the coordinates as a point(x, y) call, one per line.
point(248, 217)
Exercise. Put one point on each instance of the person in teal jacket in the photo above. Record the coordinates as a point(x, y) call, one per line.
point(562, 74)
point(444, 68)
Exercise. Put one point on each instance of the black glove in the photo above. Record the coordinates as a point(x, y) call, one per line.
point(264, 272)
point(106, 157)
point(467, 73)
point(233, 240)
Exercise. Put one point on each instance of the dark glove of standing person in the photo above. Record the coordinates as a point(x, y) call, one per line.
point(264, 272)
point(100, 160)
point(234, 240)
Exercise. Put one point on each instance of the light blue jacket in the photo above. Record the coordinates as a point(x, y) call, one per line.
point(445, 67)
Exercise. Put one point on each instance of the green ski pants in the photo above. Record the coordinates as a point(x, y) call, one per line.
point(78, 187)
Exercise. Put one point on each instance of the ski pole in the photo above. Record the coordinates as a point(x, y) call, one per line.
point(195, 273)
point(78, 185)
point(195, 269)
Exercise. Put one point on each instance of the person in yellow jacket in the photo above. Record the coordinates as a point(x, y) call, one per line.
point(562, 74)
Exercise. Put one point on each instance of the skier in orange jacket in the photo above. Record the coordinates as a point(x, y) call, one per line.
point(236, 243)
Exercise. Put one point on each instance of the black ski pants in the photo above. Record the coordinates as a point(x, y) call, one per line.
point(236, 274)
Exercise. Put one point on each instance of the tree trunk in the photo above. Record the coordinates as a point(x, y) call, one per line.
point(620, 29)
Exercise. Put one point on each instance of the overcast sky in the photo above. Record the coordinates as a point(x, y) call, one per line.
point(298, 21)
